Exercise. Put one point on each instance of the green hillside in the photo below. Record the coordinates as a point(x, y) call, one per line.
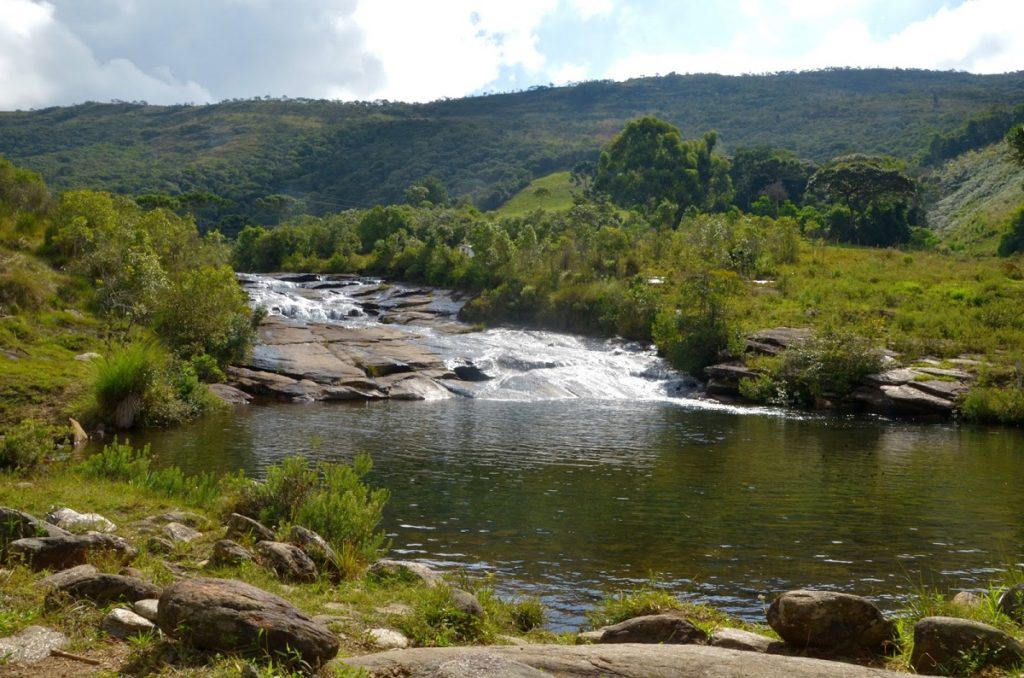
point(553, 192)
point(270, 159)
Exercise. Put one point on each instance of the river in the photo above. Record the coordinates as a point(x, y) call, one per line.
point(600, 482)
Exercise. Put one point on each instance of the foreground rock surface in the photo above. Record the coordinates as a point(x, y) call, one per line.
point(655, 628)
point(830, 621)
point(31, 645)
point(942, 644)
point(586, 661)
point(224, 615)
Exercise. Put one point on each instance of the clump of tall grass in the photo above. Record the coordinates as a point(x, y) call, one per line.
point(123, 376)
point(26, 445)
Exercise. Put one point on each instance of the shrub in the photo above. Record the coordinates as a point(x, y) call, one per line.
point(437, 622)
point(126, 372)
point(207, 369)
point(330, 499)
point(527, 614)
point(26, 446)
point(994, 405)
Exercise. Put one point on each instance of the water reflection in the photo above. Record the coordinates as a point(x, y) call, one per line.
point(571, 499)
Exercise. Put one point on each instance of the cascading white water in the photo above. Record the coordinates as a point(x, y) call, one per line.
point(515, 365)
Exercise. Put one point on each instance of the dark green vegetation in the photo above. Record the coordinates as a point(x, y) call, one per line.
point(146, 303)
point(261, 161)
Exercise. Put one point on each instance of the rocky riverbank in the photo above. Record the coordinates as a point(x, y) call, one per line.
point(177, 580)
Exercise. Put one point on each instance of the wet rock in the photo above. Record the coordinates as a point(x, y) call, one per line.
point(31, 645)
point(59, 553)
point(736, 639)
point(107, 588)
point(122, 623)
point(230, 616)
point(467, 603)
point(1011, 603)
point(288, 561)
point(317, 548)
point(147, 608)
point(387, 639)
point(65, 577)
point(229, 394)
point(227, 552)
point(15, 524)
point(470, 372)
point(240, 526)
point(80, 523)
point(404, 570)
point(180, 534)
point(830, 621)
point(417, 387)
point(943, 644)
point(655, 628)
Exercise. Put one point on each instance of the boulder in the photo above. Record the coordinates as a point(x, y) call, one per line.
point(627, 660)
point(654, 628)
point(830, 621)
point(193, 520)
point(30, 645)
point(177, 533)
point(945, 645)
point(240, 526)
point(108, 588)
point(1011, 603)
point(736, 639)
point(65, 577)
point(405, 570)
point(417, 387)
point(227, 552)
point(224, 615)
point(288, 561)
point(159, 545)
point(317, 548)
point(80, 523)
point(776, 340)
point(467, 603)
point(967, 599)
point(147, 608)
point(229, 394)
point(470, 372)
point(387, 639)
point(122, 623)
point(903, 400)
point(59, 553)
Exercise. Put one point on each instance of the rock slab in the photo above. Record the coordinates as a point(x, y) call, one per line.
point(407, 570)
point(942, 644)
point(654, 628)
point(737, 639)
point(122, 623)
point(591, 661)
point(830, 621)
point(31, 645)
point(225, 615)
point(108, 588)
point(62, 552)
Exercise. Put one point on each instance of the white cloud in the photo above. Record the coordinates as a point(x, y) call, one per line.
point(42, 63)
point(588, 9)
point(980, 36)
point(566, 73)
point(432, 50)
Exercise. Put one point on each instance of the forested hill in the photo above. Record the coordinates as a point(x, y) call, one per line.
point(266, 159)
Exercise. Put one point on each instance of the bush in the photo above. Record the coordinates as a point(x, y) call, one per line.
point(437, 622)
point(26, 446)
point(330, 499)
point(625, 605)
point(995, 405)
point(126, 372)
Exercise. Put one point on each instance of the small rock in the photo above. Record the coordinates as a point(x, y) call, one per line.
point(180, 534)
point(159, 545)
point(512, 640)
point(941, 644)
point(65, 577)
point(404, 570)
point(466, 602)
point(1011, 603)
point(317, 548)
point(59, 553)
point(230, 394)
point(470, 372)
point(966, 599)
point(387, 639)
point(30, 645)
point(78, 434)
point(227, 552)
point(287, 560)
point(837, 622)
point(655, 628)
point(122, 623)
point(328, 619)
point(147, 608)
point(80, 523)
point(394, 609)
point(131, 572)
point(589, 637)
point(224, 615)
point(240, 526)
point(108, 588)
point(736, 639)
point(87, 357)
point(184, 517)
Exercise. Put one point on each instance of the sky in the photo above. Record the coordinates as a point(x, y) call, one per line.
point(56, 52)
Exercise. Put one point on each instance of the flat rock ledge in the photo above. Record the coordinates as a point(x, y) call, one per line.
point(583, 661)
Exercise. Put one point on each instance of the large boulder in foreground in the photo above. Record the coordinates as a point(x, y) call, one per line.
point(224, 615)
point(627, 660)
point(62, 552)
point(834, 622)
point(944, 646)
point(654, 628)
